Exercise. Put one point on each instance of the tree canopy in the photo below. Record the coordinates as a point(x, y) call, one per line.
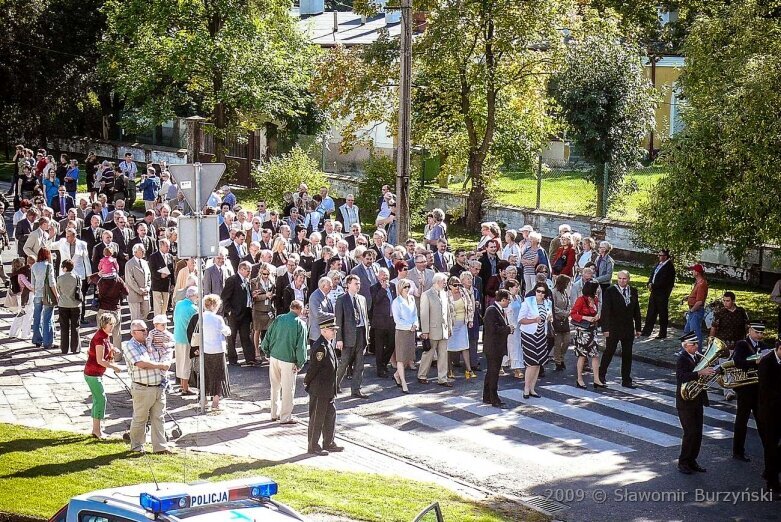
point(606, 101)
point(723, 185)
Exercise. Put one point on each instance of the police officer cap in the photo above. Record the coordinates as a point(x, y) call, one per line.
point(328, 323)
point(757, 326)
point(690, 337)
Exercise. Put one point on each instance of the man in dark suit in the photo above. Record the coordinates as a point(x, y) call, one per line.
point(770, 415)
point(162, 282)
point(285, 280)
point(748, 395)
point(489, 263)
point(355, 233)
point(381, 318)
point(122, 236)
point(320, 384)
point(386, 261)
point(237, 307)
point(237, 250)
point(661, 286)
point(620, 324)
point(62, 203)
point(443, 260)
point(92, 234)
point(690, 413)
point(367, 275)
point(320, 268)
point(23, 229)
point(97, 250)
point(495, 332)
point(143, 238)
point(273, 223)
point(353, 321)
point(343, 254)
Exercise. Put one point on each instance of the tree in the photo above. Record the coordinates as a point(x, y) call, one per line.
point(285, 173)
point(244, 62)
point(606, 101)
point(478, 84)
point(723, 185)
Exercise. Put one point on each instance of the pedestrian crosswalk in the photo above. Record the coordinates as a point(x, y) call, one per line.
point(568, 428)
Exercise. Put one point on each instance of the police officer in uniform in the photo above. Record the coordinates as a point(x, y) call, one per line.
point(690, 412)
point(748, 395)
point(770, 415)
point(320, 384)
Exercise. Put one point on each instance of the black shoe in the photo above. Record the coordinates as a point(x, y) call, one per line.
point(333, 448)
point(598, 386)
point(525, 395)
point(501, 405)
point(628, 385)
point(359, 395)
point(37, 345)
point(422, 381)
point(535, 395)
point(581, 386)
point(559, 367)
point(660, 337)
point(686, 470)
point(698, 468)
point(317, 451)
point(446, 384)
point(741, 457)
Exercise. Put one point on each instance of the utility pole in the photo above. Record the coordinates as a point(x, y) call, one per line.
point(405, 128)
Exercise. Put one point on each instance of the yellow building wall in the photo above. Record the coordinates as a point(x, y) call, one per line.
point(666, 76)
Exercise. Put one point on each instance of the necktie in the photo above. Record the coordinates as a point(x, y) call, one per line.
point(62, 206)
point(626, 296)
point(357, 311)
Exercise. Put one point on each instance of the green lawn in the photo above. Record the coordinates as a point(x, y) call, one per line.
point(41, 469)
point(570, 192)
point(6, 170)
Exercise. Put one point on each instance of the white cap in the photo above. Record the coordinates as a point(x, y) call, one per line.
point(160, 319)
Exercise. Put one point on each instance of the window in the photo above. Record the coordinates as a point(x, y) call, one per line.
point(91, 516)
point(677, 106)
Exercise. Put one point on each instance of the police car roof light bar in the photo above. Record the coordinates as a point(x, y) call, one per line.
point(212, 493)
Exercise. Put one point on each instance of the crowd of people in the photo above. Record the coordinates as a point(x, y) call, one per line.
point(298, 282)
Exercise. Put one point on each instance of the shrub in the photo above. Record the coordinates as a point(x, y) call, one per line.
point(380, 170)
point(284, 173)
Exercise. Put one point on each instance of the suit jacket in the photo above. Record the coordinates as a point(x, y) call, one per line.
point(618, 318)
point(684, 372)
point(214, 279)
point(79, 226)
point(61, 212)
point(380, 310)
point(362, 272)
point(320, 308)
point(91, 237)
point(485, 269)
point(224, 231)
point(150, 246)
point(282, 282)
point(347, 264)
point(432, 322)
point(344, 313)
point(319, 268)
point(97, 252)
point(119, 238)
point(273, 226)
point(769, 391)
point(137, 278)
point(157, 261)
point(289, 295)
point(495, 332)
point(35, 241)
point(320, 379)
point(444, 262)
point(381, 263)
point(21, 232)
point(664, 281)
point(81, 258)
point(235, 298)
point(234, 256)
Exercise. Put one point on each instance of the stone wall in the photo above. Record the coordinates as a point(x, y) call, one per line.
point(116, 150)
point(759, 267)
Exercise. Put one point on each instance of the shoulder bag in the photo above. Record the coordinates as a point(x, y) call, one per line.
point(48, 293)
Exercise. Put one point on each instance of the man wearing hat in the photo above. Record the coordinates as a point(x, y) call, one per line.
point(320, 384)
point(661, 286)
point(748, 395)
point(770, 414)
point(696, 302)
point(690, 413)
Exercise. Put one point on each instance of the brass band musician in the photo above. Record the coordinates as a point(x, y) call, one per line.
point(690, 412)
point(746, 357)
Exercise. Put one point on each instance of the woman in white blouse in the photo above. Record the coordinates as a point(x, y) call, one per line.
point(213, 341)
point(405, 315)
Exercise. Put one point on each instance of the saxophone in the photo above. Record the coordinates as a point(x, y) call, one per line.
point(716, 348)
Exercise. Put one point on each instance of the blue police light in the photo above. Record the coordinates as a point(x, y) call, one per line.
point(213, 493)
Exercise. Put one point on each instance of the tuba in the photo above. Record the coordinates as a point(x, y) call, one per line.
point(716, 348)
point(732, 377)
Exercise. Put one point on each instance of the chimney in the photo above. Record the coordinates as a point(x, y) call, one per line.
point(311, 7)
point(336, 21)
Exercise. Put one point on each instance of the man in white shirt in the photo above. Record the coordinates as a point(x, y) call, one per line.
point(348, 213)
point(128, 166)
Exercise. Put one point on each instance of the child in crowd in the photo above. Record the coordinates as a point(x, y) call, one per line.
point(160, 344)
point(108, 267)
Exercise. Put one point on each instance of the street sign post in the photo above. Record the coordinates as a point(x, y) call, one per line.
point(198, 231)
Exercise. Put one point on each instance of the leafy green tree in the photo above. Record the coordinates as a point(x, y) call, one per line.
point(606, 101)
point(723, 185)
point(285, 173)
point(380, 170)
point(244, 62)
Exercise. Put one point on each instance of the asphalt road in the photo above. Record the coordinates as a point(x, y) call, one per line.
point(582, 455)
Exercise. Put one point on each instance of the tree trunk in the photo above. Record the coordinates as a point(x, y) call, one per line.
point(473, 215)
point(272, 141)
point(599, 183)
point(219, 132)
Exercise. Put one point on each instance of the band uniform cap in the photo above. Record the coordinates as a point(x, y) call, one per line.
point(690, 337)
point(758, 326)
point(160, 319)
point(328, 323)
point(697, 268)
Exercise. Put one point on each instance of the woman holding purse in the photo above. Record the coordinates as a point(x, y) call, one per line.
point(534, 319)
point(585, 316)
point(44, 298)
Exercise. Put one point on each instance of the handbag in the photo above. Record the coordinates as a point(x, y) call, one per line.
point(425, 345)
point(11, 301)
point(561, 325)
point(559, 265)
point(584, 325)
point(48, 293)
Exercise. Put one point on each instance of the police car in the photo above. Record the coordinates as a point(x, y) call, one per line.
point(235, 500)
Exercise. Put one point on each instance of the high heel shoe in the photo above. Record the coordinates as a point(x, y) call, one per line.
point(598, 386)
point(525, 395)
point(581, 386)
point(404, 388)
point(397, 379)
point(534, 394)
point(451, 375)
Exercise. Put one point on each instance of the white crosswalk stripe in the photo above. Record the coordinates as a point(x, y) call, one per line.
point(573, 412)
point(631, 408)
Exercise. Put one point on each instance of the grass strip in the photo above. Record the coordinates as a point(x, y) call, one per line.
point(41, 470)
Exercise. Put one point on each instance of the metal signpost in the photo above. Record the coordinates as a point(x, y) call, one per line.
point(199, 231)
